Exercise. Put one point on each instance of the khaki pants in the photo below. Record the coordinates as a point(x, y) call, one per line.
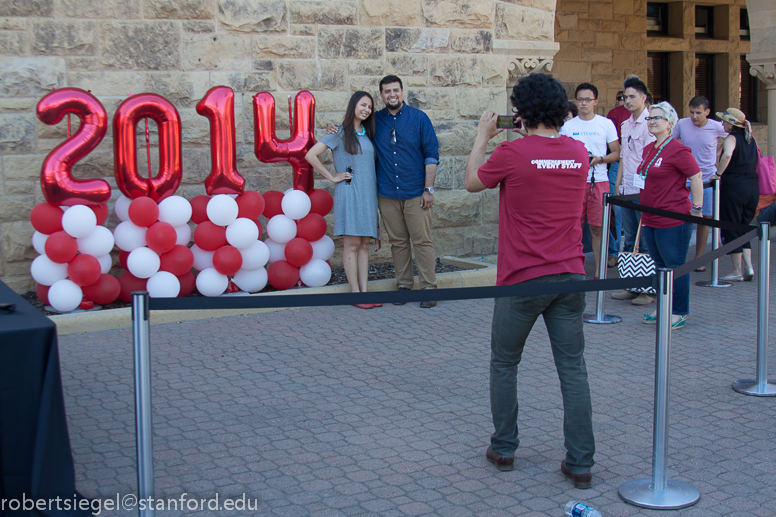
point(406, 222)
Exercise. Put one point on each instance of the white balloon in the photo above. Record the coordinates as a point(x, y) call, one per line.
point(143, 262)
point(281, 229)
point(202, 259)
point(65, 295)
point(296, 204)
point(276, 251)
point(129, 236)
point(222, 210)
point(106, 262)
point(256, 256)
point(122, 207)
point(242, 233)
point(79, 221)
point(184, 234)
point(288, 190)
point(323, 248)
point(211, 283)
point(315, 273)
point(175, 210)
point(251, 281)
point(163, 285)
point(233, 196)
point(39, 242)
point(97, 243)
point(47, 272)
point(64, 208)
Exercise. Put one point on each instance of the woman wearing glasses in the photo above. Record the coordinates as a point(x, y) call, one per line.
point(662, 176)
point(739, 188)
point(355, 191)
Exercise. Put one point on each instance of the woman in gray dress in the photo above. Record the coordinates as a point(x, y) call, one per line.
point(355, 191)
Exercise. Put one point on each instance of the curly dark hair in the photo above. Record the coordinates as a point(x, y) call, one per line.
point(539, 98)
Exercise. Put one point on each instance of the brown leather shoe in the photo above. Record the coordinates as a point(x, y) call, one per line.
point(501, 463)
point(582, 481)
point(401, 289)
point(427, 305)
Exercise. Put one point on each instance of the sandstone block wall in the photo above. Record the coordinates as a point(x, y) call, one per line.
point(455, 57)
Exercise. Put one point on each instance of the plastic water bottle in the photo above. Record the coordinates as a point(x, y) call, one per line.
point(575, 509)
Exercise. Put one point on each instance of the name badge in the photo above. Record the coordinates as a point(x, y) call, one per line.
point(638, 181)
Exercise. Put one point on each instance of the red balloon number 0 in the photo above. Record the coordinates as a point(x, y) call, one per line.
point(125, 122)
point(56, 179)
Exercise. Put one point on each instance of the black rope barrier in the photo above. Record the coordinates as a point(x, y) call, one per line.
point(714, 254)
point(724, 225)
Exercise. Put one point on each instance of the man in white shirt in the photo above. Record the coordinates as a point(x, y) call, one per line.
point(702, 135)
point(635, 136)
point(596, 132)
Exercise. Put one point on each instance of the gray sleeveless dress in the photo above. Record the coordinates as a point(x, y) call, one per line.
point(355, 205)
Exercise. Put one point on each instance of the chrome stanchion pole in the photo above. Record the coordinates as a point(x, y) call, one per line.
point(143, 430)
point(659, 492)
point(599, 316)
point(714, 282)
point(761, 387)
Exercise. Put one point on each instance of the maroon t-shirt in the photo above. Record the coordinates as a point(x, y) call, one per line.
point(666, 184)
point(541, 189)
point(618, 115)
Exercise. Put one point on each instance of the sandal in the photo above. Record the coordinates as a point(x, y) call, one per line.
point(749, 275)
point(648, 318)
point(733, 278)
point(700, 269)
point(678, 324)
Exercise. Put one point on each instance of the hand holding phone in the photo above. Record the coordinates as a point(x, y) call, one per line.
point(508, 122)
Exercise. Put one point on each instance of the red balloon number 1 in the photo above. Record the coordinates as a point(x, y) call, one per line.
point(56, 178)
point(218, 106)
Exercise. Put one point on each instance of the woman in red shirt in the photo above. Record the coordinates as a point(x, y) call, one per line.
point(665, 167)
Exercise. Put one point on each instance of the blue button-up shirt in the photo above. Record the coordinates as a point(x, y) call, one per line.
point(401, 166)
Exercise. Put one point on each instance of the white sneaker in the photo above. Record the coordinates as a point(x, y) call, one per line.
point(623, 295)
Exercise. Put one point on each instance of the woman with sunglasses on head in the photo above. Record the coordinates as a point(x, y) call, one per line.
point(739, 188)
point(355, 191)
point(662, 176)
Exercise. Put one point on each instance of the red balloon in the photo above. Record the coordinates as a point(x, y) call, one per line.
point(177, 261)
point(61, 247)
point(105, 290)
point(199, 209)
point(161, 237)
point(282, 275)
point(46, 218)
point(101, 211)
point(84, 270)
point(129, 284)
point(293, 149)
point(227, 260)
point(299, 252)
point(56, 179)
point(42, 293)
point(218, 106)
point(261, 230)
point(143, 211)
point(188, 283)
point(272, 203)
point(321, 202)
point(250, 204)
point(209, 236)
point(125, 122)
point(311, 227)
point(123, 259)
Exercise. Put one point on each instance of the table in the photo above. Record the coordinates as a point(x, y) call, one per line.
point(35, 457)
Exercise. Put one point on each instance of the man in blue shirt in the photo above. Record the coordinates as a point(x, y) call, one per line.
point(407, 158)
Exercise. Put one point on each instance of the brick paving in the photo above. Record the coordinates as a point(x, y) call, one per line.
point(338, 411)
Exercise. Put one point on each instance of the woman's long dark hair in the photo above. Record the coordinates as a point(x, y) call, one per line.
point(349, 137)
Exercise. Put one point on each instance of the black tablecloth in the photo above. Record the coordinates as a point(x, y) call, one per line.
point(35, 458)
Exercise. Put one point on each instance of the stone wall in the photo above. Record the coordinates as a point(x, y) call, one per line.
point(455, 56)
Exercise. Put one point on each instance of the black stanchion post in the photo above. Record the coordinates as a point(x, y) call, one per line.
point(761, 387)
point(599, 317)
point(714, 282)
point(659, 492)
point(143, 428)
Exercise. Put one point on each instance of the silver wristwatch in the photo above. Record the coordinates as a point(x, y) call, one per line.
point(430, 190)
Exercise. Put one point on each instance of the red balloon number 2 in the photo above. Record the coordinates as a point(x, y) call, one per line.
point(56, 178)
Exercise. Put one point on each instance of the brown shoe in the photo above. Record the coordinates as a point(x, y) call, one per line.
point(427, 305)
point(401, 289)
point(501, 463)
point(582, 481)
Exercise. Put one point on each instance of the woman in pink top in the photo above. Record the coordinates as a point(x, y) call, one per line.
point(662, 176)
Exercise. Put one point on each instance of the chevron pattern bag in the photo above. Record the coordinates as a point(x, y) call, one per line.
point(630, 264)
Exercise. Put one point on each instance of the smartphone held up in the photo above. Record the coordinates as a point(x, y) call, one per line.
point(508, 122)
